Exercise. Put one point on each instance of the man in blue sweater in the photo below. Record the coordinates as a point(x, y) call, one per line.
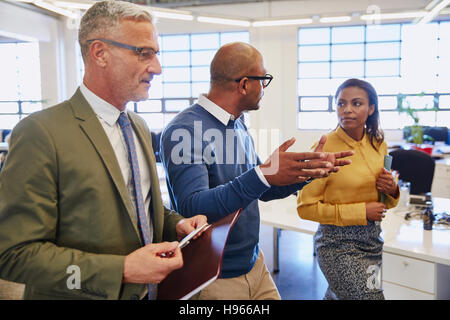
point(212, 168)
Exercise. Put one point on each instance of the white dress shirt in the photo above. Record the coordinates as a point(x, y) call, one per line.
point(224, 117)
point(108, 115)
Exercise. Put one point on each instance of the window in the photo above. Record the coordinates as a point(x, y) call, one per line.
point(185, 61)
point(20, 82)
point(391, 57)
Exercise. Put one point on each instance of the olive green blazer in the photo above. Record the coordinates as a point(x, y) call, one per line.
point(63, 203)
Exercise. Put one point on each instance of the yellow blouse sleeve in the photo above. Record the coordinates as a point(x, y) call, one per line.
point(310, 206)
point(390, 201)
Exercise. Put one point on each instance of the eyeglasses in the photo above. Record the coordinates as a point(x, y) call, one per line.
point(145, 54)
point(265, 80)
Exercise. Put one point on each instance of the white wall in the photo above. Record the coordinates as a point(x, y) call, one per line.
point(26, 24)
point(70, 37)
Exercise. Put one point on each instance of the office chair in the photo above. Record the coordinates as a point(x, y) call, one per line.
point(416, 167)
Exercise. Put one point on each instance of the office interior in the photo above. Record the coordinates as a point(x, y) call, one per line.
point(402, 47)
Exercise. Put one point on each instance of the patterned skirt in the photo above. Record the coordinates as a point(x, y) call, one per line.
point(350, 258)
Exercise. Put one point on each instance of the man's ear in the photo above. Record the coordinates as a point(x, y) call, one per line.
point(98, 53)
point(243, 86)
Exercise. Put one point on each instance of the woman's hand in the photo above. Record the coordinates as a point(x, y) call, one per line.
point(375, 211)
point(386, 183)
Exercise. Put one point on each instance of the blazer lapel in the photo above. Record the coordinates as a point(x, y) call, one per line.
point(145, 139)
point(94, 131)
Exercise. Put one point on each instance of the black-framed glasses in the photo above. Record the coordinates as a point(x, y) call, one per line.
point(145, 54)
point(265, 80)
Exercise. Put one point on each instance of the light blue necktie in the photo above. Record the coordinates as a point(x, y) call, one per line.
point(143, 224)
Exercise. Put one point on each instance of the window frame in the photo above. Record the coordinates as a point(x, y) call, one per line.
point(365, 43)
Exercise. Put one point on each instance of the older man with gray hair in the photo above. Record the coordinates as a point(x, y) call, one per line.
point(81, 215)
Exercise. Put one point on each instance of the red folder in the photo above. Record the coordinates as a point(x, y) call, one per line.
point(202, 259)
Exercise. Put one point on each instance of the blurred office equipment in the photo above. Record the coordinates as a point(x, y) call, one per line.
point(431, 135)
point(441, 180)
point(437, 133)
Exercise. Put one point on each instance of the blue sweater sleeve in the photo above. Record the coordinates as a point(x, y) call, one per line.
point(276, 192)
point(190, 191)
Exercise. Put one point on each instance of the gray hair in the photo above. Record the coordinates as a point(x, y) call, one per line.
point(103, 17)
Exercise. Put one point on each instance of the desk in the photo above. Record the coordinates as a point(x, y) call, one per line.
point(416, 263)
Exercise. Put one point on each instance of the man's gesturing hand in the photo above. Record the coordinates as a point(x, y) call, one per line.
point(284, 168)
point(334, 157)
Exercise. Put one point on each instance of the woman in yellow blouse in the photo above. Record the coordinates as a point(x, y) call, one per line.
point(346, 203)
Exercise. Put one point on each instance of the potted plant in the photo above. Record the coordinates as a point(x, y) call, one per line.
point(415, 133)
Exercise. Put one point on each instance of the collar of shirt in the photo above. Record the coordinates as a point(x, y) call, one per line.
point(218, 112)
point(102, 109)
point(349, 140)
